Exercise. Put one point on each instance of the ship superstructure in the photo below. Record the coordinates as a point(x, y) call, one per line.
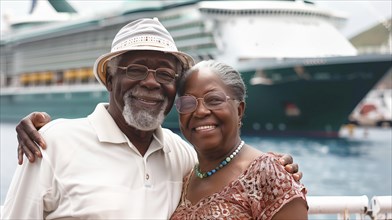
point(303, 76)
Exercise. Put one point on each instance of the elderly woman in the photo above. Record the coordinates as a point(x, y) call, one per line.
point(232, 179)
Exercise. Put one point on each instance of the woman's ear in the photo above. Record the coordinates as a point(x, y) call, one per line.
point(241, 109)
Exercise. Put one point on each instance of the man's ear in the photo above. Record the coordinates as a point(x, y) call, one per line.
point(109, 81)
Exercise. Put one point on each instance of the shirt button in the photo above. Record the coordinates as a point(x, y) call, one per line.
point(147, 177)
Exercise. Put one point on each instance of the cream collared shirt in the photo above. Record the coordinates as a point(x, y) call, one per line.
point(91, 170)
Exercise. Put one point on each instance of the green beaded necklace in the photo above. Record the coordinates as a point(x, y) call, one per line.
point(220, 166)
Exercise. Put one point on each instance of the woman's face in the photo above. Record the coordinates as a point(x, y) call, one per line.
point(207, 129)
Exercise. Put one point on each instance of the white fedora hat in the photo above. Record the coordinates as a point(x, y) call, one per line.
point(142, 34)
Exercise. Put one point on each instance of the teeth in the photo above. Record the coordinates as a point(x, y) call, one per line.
point(149, 101)
point(206, 127)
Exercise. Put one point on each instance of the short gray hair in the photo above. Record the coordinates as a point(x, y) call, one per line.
point(112, 65)
point(230, 77)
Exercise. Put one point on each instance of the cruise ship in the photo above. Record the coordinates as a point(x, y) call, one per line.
point(303, 77)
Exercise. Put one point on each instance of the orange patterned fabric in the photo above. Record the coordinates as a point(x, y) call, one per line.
point(259, 193)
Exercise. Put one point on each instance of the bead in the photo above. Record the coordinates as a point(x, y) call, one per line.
point(221, 165)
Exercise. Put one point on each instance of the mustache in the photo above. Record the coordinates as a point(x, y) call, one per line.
point(138, 92)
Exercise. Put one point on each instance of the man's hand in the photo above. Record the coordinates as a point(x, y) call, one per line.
point(28, 136)
point(287, 161)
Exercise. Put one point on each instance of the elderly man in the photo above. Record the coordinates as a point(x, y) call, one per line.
point(117, 163)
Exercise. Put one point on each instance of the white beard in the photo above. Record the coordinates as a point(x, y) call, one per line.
point(142, 119)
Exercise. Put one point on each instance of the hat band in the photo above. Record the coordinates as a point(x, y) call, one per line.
point(144, 41)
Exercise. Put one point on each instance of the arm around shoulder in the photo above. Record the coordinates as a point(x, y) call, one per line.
point(282, 197)
point(28, 136)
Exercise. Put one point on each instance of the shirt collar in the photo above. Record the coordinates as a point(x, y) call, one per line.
point(108, 131)
point(159, 137)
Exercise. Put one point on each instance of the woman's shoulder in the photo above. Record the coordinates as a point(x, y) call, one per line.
point(260, 160)
point(269, 186)
point(265, 169)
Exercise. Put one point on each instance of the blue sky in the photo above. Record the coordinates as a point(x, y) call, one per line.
point(362, 13)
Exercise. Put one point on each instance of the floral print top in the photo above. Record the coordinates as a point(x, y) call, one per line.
point(259, 193)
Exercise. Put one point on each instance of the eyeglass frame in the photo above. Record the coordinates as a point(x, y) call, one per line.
point(197, 102)
point(125, 68)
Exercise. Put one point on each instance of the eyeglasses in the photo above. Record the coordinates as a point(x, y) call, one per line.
point(140, 72)
point(212, 100)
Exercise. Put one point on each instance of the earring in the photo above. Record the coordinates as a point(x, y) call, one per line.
point(240, 124)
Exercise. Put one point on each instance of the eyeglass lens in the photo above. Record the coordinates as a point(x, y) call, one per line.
point(212, 101)
point(140, 72)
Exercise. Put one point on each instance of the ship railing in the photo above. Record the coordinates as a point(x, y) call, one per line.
point(351, 207)
point(378, 208)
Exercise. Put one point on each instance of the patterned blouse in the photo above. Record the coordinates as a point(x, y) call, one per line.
point(259, 193)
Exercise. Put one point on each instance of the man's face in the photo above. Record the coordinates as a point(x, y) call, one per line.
point(142, 103)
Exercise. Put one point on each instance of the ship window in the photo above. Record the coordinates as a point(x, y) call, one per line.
point(276, 77)
point(8, 80)
point(59, 78)
point(322, 76)
point(291, 109)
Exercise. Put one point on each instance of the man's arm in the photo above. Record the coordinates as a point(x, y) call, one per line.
point(29, 137)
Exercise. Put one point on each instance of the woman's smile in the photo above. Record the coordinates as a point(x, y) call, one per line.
point(205, 128)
